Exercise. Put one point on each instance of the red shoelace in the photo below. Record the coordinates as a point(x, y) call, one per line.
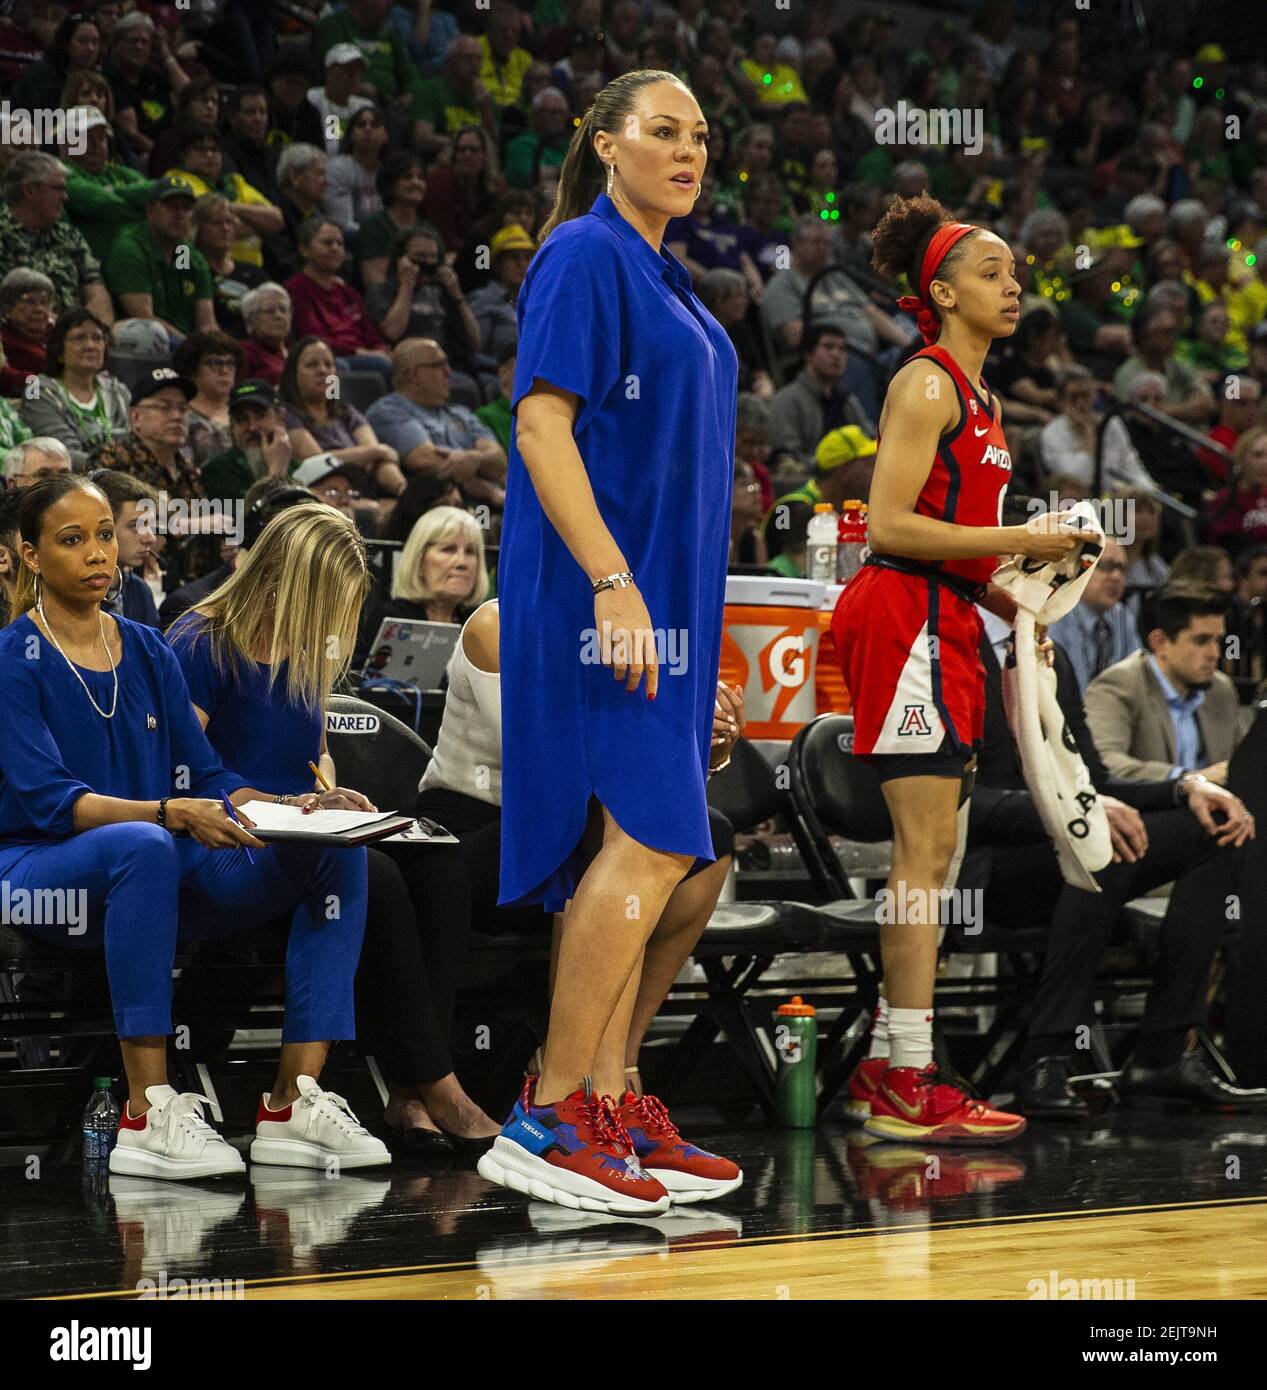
point(656, 1118)
point(604, 1116)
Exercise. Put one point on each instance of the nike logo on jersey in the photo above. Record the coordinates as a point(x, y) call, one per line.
point(1000, 458)
point(979, 433)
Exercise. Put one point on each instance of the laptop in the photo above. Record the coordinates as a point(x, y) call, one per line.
point(412, 651)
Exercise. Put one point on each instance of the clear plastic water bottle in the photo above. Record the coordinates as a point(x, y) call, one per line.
point(820, 544)
point(851, 540)
point(101, 1122)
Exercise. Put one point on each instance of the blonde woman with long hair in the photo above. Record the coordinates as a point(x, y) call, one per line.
point(261, 655)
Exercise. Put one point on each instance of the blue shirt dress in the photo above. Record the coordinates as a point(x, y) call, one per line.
point(604, 316)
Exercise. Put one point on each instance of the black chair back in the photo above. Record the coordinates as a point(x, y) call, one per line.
point(747, 792)
point(375, 753)
point(360, 389)
point(834, 793)
point(843, 792)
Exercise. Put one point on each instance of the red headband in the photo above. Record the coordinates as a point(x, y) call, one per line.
point(943, 239)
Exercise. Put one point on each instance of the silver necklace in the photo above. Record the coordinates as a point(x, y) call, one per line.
point(75, 670)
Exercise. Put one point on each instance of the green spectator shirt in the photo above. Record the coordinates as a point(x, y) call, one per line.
point(496, 415)
point(101, 205)
point(377, 237)
point(137, 265)
point(529, 153)
point(12, 430)
point(439, 102)
point(387, 64)
point(227, 476)
point(59, 251)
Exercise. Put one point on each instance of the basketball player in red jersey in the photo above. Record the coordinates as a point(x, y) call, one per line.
point(907, 631)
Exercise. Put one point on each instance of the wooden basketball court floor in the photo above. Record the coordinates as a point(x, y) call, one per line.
point(1141, 1205)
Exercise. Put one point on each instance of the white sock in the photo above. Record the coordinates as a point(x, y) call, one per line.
point(910, 1037)
point(880, 1029)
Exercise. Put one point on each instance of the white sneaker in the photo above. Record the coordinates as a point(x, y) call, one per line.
point(172, 1140)
point(318, 1130)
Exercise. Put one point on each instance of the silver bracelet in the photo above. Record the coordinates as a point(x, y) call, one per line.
point(622, 580)
point(712, 771)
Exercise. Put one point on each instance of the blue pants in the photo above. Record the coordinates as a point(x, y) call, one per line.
point(144, 890)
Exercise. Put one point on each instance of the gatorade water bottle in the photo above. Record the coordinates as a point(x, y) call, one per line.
point(101, 1122)
point(795, 1082)
point(851, 540)
point(820, 544)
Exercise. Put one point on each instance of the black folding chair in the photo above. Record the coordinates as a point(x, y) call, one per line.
point(360, 389)
point(834, 793)
point(375, 753)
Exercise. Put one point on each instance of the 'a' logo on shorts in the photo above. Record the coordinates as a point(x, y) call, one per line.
point(913, 722)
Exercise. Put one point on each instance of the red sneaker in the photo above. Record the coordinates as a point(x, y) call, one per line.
point(916, 1104)
point(574, 1153)
point(689, 1174)
point(866, 1077)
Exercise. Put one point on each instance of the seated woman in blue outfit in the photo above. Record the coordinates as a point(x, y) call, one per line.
point(254, 656)
point(110, 792)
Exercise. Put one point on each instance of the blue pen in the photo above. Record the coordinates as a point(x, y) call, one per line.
point(232, 815)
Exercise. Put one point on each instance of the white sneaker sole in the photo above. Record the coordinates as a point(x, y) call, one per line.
point(509, 1165)
point(295, 1153)
point(684, 1188)
point(141, 1163)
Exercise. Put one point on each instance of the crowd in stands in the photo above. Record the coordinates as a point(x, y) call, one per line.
point(280, 260)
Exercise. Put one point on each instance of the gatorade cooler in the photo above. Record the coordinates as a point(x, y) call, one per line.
point(769, 646)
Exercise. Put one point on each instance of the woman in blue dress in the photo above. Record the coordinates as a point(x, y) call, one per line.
point(115, 833)
point(611, 581)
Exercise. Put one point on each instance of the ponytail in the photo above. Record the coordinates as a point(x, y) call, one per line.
point(23, 590)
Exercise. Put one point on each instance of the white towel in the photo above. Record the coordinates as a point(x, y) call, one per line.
point(1058, 780)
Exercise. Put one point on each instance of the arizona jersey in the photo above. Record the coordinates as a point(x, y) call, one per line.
point(908, 646)
point(971, 469)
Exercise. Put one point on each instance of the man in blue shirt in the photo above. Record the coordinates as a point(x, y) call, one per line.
point(1168, 710)
point(430, 434)
point(1101, 630)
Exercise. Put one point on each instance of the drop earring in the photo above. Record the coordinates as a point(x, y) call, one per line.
point(611, 173)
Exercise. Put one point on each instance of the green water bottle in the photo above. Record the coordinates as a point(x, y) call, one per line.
point(796, 1046)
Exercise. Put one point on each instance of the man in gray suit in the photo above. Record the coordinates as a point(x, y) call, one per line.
point(1168, 711)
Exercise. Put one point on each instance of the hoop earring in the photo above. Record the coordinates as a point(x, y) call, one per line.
point(110, 597)
point(699, 188)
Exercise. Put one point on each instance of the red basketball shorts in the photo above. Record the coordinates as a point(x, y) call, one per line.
point(909, 651)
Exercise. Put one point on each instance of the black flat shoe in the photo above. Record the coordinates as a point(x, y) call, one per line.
point(1189, 1080)
point(1044, 1092)
point(463, 1144)
point(419, 1143)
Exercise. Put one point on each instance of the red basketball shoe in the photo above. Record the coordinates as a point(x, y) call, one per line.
point(689, 1174)
point(918, 1105)
point(866, 1077)
point(573, 1153)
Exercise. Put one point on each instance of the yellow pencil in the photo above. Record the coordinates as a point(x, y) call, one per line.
point(316, 772)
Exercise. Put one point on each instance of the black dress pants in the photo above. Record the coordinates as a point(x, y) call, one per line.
point(1178, 850)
